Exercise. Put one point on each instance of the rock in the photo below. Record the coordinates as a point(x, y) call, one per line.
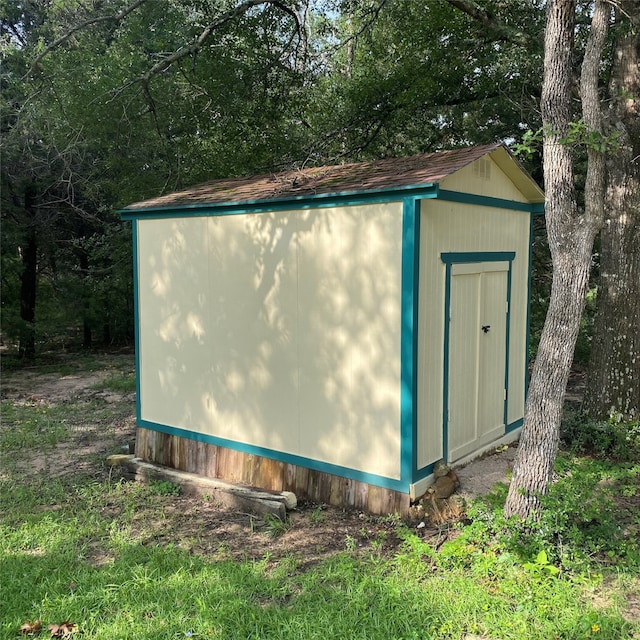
point(416, 512)
point(443, 487)
point(119, 459)
point(441, 469)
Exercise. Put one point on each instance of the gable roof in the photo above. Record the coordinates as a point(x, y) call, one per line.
point(387, 174)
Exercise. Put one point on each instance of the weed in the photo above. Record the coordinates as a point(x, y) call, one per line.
point(317, 516)
point(120, 382)
point(275, 526)
point(164, 488)
point(541, 566)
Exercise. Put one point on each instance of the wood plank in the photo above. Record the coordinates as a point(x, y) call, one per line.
point(376, 499)
point(269, 474)
point(191, 456)
point(289, 477)
point(313, 489)
point(211, 460)
point(324, 487)
point(349, 492)
point(225, 493)
point(361, 497)
point(337, 494)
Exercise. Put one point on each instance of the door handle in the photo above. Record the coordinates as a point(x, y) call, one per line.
point(486, 328)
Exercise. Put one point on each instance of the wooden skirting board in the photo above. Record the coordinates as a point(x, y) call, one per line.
point(212, 461)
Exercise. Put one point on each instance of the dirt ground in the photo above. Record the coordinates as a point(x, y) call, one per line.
point(314, 530)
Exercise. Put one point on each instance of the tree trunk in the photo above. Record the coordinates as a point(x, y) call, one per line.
point(87, 337)
point(28, 282)
point(571, 239)
point(614, 368)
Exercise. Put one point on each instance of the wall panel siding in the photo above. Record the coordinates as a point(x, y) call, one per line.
point(455, 227)
point(278, 330)
point(483, 177)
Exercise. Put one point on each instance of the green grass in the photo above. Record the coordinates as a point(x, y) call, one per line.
point(119, 382)
point(64, 557)
point(63, 560)
point(84, 548)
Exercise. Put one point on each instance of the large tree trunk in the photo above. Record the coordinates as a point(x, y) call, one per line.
point(571, 239)
point(614, 369)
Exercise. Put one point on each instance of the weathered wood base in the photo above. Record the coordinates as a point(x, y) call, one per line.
point(212, 461)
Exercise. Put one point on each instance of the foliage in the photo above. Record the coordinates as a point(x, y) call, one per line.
point(613, 438)
point(579, 523)
point(165, 488)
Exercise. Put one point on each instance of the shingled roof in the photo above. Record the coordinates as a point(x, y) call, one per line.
point(387, 174)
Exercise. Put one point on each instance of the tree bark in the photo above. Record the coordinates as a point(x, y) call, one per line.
point(613, 383)
point(571, 239)
point(28, 281)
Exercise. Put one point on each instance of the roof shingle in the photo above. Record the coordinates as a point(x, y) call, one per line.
point(389, 173)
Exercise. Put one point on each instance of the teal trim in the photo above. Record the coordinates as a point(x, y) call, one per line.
point(136, 316)
point(450, 259)
point(324, 467)
point(424, 472)
point(506, 349)
point(488, 201)
point(477, 256)
point(445, 363)
point(321, 200)
point(538, 209)
point(514, 425)
point(409, 337)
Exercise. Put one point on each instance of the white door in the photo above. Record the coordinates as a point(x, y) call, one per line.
point(477, 356)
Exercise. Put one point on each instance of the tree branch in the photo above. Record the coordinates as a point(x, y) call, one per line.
point(194, 47)
point(486, 19)
point(118, 17)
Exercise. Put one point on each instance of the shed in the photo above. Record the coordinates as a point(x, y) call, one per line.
point(336, 331)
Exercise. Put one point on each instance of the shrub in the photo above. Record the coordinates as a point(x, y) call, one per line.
point(612, 438)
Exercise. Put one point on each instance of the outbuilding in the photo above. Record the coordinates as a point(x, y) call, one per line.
point(336, 331)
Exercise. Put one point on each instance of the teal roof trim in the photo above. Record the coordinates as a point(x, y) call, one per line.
point(488, 201)
point(283, 204)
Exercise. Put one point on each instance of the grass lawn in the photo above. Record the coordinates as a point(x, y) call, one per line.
point(118, 560)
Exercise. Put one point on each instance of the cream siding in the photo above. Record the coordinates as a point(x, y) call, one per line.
point(278, 330)
point(483, 177)
point(454, 227)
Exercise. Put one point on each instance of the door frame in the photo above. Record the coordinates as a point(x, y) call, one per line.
point(449, 259)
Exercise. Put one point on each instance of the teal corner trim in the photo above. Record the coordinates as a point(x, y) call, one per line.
point(136, 316)
point(324, 467)
point(488, 201)
point(445, 361)
point(449, 259)
point(507, 340)
point(409, 338)
point(321, 200)
point(424, 472)
point(516, 424)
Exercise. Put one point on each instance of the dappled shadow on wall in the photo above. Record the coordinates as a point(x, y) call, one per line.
point(279, 330)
